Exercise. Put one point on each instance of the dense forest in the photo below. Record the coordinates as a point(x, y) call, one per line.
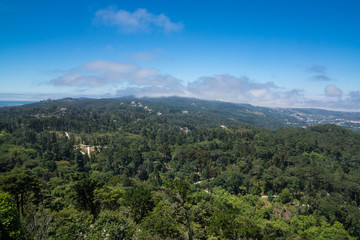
point(132, 169)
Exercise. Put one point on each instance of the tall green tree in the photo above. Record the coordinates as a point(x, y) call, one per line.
point(182, 201)
point(140, 201)
point(10, 225)
point(22, 186)
point(84, 188)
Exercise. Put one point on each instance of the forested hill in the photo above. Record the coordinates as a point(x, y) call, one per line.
point(198, 112)
point(173, 168)
point(209, 112)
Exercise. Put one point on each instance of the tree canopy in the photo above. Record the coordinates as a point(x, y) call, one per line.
point(98, 169)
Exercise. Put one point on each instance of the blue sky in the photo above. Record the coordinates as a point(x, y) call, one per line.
point(268, 53)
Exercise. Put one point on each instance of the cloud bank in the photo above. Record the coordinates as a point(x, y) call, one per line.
point(138, 21)
point(130, 79)
point(232, 89)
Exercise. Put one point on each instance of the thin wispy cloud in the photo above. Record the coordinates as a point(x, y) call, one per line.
point(138, 21)
point(143, 56)
point(317, 69)
point(320, 73)
point(109, 48)
point(322, 78)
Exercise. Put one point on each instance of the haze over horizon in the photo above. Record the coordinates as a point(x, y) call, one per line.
point(265, 53)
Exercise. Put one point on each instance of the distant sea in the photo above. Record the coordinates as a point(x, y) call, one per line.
point(13, 103)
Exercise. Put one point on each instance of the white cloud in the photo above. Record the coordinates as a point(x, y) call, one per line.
point(100, 73)
point(333, 91)
point(145, 73)
point(233, 89)
point(76, 79)
point(110, 69)
point(354, 96)
point(138, 21)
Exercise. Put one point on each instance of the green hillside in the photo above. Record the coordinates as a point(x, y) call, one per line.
point(174, 168)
